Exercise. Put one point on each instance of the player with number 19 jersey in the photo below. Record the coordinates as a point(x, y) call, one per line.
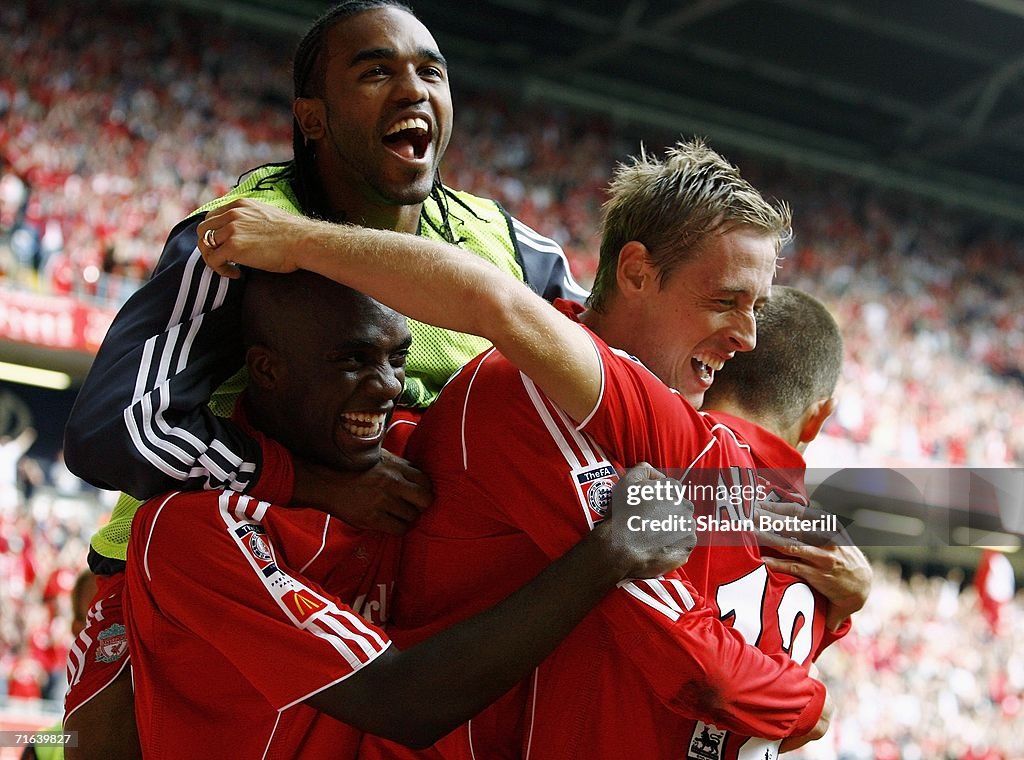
point(517, 484)
point(775, 611)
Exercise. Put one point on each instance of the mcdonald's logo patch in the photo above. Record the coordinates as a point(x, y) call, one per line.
point(302, 604)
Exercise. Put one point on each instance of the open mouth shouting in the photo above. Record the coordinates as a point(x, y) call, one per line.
point(705, 365)
point(409, 138)
point(364, 426)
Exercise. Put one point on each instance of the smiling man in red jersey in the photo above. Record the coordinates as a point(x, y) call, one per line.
point(240, 611)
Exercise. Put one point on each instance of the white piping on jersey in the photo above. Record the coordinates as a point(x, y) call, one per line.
point(688, 601)
point(358, 635)
point(323, 543)
point(140, 378)
point(546, 245)
point(552, 427)
point(149, 538)
point(242, 505)
point(662, 593)
point(714, 442)
point(710, 444)
point(533, 712)
point(592, 454)
point(600, 392)
point(160, 446)
point(326, 686)
point(230, 456)
point(732, 433)
point(270, 739)
point(95, 614)
point(140, 444)
point(469, 738)
point(125, 661)
point(465, 406)
point(631, 588)
point(581, 440)
point(76, 657)
point(336, 637)
point(535, 239)
point(190, 339)
point(183, 293)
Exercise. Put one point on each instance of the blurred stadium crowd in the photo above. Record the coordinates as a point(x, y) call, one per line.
point(115, 125)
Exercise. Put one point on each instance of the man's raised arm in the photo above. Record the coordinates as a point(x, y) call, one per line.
point(428, 281)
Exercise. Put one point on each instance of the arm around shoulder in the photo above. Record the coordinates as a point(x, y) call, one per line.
point(419, 695)
point(429, 281)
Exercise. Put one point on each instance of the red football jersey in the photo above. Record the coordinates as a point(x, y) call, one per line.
point(775, 611)
point(517, 484)
point(237, 611)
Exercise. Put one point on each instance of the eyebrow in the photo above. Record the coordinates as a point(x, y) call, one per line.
point(743, 292)
point(359, 344)
point(386, 53)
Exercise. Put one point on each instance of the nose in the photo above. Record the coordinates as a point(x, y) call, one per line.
point(743, 332)
point(410, 87)
point(385, 382)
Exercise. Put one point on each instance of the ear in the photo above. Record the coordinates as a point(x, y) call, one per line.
point(311, 117)
point(265, 371)
point(634, 274)
point(814, 419)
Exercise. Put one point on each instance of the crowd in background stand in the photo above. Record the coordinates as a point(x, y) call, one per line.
point(922, 677)
point(115, 125)
point(43, 542)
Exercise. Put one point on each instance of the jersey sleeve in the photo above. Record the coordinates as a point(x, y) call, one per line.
point(141, 423)
point(545, 266)
point(234, 590)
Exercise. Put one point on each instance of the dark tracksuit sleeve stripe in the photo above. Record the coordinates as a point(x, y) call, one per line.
point(140, 423)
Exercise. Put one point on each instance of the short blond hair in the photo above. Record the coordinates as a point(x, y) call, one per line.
point(673, 205)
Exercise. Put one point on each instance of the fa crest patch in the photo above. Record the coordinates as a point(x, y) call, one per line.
point(112, 643)
point(259, 547)
point(594, 486)
point(251, 536)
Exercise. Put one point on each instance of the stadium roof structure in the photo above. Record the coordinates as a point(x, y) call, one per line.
point(921, 95)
